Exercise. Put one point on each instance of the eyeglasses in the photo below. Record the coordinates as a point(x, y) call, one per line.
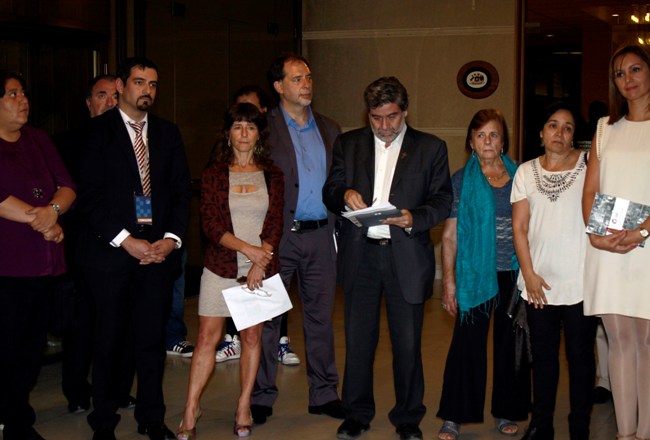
point(259, 292)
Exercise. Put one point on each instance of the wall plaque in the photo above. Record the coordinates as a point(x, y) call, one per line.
point(477, 79)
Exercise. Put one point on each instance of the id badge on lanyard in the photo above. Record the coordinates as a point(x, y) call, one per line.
point(143, 211)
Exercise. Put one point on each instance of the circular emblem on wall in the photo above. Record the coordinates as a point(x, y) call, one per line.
point(477, 79)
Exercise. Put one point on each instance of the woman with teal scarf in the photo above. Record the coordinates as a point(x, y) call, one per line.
point(479, 274)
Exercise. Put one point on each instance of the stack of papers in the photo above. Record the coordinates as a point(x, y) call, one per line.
point(373, 215)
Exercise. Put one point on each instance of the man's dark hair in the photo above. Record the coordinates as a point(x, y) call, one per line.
point(98, 78)
point(6, 75)
point(276, 69)
point(386, 90)
point(252, 89)
point(124, 70)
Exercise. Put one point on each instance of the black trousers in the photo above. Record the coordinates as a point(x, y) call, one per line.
point(362, 307)
point(546, 326)
point(130, 305)
point(24, 306)
point(465, 378)
point(78, 349)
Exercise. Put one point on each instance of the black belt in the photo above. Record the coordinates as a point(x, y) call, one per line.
point(307, 225)
point(378, 241)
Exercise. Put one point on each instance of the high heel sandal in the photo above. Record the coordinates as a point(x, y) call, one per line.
point(628, 436)
point(506, 427)
point(243, 430)
point(449, 430)
point(188, 434)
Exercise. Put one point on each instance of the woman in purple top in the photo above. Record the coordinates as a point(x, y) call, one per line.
point(35, 189)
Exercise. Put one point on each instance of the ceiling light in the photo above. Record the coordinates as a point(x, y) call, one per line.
point(640, 40)
point(634, 18)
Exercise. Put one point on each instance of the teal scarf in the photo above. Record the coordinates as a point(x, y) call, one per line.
point(476, 275)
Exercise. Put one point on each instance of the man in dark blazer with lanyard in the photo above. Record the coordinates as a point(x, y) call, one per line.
point(301, 146)
point(134, 196)
point(387, 162)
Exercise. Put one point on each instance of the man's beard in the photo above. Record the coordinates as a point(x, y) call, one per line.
point(144, 104)
point(391, 134)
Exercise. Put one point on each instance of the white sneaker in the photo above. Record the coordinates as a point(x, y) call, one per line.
point(229, 349)
point(286, 356)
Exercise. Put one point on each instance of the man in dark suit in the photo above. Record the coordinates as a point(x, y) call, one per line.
point(301, 146)
point(387, 162)
point(135, 197)
point(101, 96)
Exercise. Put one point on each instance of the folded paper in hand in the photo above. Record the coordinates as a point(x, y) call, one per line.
point(616, 213)
point(250, 307)
point(373, 215)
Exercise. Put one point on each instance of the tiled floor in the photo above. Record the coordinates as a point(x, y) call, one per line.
point(290, 419)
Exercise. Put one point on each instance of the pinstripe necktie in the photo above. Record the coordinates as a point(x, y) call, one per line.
point(141, 155)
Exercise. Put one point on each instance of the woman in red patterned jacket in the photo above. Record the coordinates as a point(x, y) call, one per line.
point(242, 197)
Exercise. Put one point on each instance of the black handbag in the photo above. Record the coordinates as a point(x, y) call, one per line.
point(516, 310)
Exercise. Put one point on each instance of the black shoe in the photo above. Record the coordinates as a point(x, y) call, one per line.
point(409, 431)
point(34, 435)
point(157, 431)
point(104, 434)
point(333, 409)
point(351, 429)
point(602, 395)
point(21, 434)
point(260, 413)
point(127, 402)
point(539, 433)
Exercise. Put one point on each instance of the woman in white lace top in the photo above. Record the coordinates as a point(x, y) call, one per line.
point(550, 243)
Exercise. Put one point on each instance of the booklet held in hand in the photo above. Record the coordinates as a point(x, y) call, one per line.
point(372, 216)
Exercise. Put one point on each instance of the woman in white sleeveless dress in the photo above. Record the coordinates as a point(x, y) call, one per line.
point(617, 275)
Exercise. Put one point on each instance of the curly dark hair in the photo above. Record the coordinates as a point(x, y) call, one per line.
point(248, 113)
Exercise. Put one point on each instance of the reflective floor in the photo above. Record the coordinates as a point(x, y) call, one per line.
point(290, 419)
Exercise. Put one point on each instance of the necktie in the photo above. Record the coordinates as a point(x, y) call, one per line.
point(141, 155)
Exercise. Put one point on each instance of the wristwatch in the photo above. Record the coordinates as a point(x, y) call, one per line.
point(57, 209)
point(644, 233)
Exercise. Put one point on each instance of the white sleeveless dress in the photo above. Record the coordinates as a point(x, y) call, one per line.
point(615, 283)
